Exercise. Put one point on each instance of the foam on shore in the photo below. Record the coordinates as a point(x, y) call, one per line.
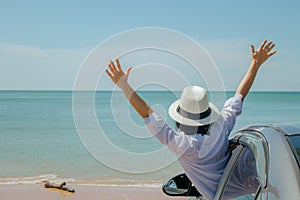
point(101, 183)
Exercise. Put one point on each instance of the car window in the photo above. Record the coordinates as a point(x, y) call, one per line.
point(295, 144)
point(246, 172)
point(258, 145)
point(243, 182)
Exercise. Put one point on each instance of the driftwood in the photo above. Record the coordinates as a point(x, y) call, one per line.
point(62, 186)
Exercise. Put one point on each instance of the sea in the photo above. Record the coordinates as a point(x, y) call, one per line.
point(97, 138)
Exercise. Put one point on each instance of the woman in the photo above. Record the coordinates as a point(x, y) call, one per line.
point(201, 142)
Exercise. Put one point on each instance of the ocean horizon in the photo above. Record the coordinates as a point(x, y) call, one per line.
point(40, 139)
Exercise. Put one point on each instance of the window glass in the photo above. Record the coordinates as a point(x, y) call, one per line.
point(243, 182)
point(295, 143)
point(260, 158)
point(259, 148)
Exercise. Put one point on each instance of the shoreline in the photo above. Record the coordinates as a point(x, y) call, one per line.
point(37, 191)
point(106, 182)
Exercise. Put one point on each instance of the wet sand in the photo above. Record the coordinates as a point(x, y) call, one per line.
point(32, 192)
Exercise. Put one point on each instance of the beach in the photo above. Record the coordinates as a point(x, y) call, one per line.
point(29, 192)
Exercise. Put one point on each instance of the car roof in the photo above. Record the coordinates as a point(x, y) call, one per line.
point(290, 129)
point(284, 129)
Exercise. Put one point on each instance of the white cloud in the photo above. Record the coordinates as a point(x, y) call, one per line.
point(30, 67)
point(22, 50)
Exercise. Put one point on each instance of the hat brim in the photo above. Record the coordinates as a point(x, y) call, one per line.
point(190, 122)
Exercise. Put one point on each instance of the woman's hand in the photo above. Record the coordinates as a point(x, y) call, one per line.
point(258, 58)
point(117, 75)
point(263, 52)
point(121, 79)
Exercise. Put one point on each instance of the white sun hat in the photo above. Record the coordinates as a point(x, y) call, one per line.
point(193, 108)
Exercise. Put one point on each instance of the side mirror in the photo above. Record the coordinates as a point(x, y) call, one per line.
point(180, 186)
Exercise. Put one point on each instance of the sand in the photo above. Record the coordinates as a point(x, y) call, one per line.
point(32, 192)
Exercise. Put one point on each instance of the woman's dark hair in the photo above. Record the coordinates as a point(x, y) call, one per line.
point(193, 129)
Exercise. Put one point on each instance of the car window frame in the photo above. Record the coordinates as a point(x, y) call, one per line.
point(243, 140)
point(247, 137)
point(228, 171)
point(293, 147)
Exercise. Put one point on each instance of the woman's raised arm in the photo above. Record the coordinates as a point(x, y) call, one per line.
point(121, 80)
point(258, 58)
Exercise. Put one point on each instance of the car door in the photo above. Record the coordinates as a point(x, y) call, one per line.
point(246, 172)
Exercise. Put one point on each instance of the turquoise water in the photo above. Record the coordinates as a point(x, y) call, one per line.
point(39, 140)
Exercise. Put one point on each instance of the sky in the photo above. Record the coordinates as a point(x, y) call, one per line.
point(43, 44)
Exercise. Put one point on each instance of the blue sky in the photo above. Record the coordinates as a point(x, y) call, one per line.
point(43, 43)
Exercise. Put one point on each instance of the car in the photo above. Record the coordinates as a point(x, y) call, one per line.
point(276, 149)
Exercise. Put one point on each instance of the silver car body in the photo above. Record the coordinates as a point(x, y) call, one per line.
point(277, 162)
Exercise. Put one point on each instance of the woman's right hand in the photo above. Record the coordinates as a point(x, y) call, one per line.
point(116, 73)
